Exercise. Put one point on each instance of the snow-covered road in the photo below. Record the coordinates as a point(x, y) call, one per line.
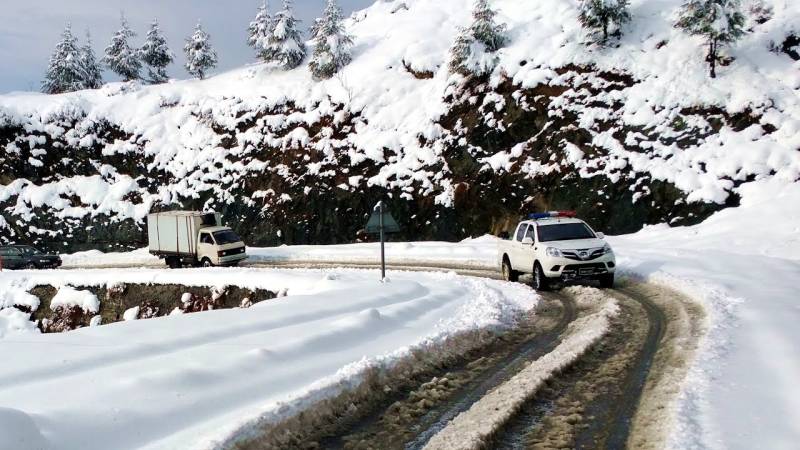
point(186, 381)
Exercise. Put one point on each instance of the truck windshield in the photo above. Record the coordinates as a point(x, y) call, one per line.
point(564, 232)
point(226, 237)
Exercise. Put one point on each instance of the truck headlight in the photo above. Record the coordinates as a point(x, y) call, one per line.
point(607, 249)
point(554, 252)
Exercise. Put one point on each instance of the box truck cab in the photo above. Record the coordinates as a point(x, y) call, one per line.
point(190, 238)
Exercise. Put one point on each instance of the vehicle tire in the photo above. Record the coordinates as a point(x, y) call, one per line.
point(607, 281)
point(173, 263)
point(30, 266)
point(540, 281)
point(509, 274)
point(206, 263)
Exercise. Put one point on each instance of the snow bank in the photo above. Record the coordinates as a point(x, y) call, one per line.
point(478, 253)
point(743, 264)
point(189, 381)
point(68, 297)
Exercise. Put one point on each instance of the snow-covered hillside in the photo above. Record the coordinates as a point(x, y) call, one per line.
point(630, 134)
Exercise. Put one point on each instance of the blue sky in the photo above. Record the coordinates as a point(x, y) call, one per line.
point(29, 29)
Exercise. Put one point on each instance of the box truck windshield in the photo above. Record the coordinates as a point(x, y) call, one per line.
point(226, 237)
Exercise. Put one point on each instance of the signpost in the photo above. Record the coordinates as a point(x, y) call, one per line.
point(382, 222)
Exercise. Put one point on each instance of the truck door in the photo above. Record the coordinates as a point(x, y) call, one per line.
point(528, 254)
point(517, 256)
point(206, 247)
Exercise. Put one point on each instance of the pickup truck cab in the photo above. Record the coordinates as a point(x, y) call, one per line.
point(556, 247)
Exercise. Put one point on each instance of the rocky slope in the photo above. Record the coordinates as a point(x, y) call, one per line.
point(632, 134)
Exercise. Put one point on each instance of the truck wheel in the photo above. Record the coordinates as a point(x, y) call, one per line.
point(173, 263)
point(509, 274)
point(207, 263)
point(607, 281)
point(540, 281)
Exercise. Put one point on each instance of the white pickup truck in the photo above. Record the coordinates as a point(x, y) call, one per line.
point(556, 247)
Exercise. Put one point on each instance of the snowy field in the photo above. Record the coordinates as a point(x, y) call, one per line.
point(186, 381)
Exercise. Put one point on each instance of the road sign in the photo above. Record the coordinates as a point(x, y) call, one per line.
point(382, 222)
point(374, 224)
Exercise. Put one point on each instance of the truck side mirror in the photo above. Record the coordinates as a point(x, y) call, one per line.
point(600, 235)
point(527, 240)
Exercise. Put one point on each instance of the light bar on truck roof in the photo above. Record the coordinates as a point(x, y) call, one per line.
point(551, 214)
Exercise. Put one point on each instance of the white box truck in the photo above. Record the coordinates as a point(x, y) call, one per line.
point(190, 238)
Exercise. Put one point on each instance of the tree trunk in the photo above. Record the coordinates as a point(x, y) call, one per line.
point(712, 57)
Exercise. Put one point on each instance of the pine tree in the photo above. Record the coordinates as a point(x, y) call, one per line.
point(286, 45)
point(91, 74)
point(461, 52)
point(471, 52)
point(120, 57)
point(603, 15)
point(259, 32)
point(484, 29)
point(720, 22)
point(64, 72)
point(200, 56)
point(156, 54)
point(332, 50)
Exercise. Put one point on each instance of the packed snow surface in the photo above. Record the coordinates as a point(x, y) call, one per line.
point(188, 381)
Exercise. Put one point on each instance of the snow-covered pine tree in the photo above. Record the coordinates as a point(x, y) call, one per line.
point(472, 51)
point(286, 45)
point(484, 29)
point(720, 22)
point(313, 31)
point(332, 50)
point(603, 15)
point(91, 74)
point(200, 56)
point(64, 71)
point(156, 54)
point(461, 52)
point(259, 31)
point(120, 57)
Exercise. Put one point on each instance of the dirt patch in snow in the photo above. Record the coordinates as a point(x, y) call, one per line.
point(152, 300)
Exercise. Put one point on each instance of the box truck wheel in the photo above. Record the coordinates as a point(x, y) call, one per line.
point(207, 263)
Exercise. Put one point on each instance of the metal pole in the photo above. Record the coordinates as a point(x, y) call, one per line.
point(383, 256)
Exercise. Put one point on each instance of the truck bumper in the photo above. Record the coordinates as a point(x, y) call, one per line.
point(569, 269)
point(231, 260)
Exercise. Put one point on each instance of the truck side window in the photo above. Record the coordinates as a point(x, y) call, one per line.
point(205, 238)
point(521, 232)
point(531, 234)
